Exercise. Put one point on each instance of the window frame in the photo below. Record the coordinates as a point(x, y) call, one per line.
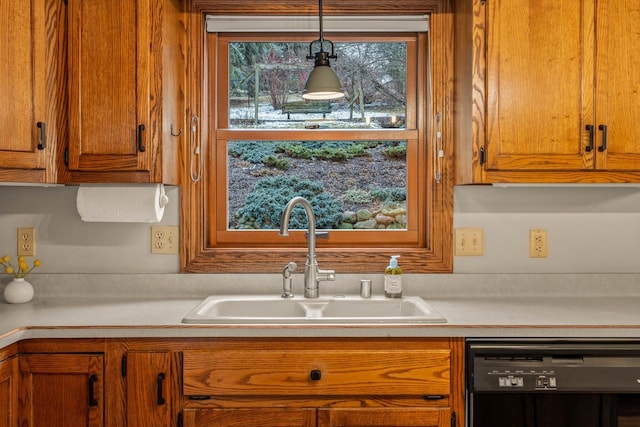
point(430, 252)
point(220, 237)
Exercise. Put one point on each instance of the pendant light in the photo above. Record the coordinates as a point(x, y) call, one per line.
point(322, 83)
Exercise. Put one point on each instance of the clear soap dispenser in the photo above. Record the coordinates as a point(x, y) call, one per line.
point(393, 279)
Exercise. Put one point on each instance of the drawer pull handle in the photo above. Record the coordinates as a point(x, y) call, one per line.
point(603, 129)
point(315, 375)
point(42, 135)
point(590, 129)
point(92, 393)
point(159, 380)
point(141, 129)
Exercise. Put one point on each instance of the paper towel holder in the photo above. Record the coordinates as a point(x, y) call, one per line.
point(163, 200)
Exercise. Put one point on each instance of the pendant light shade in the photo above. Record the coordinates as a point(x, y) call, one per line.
point(322, 83)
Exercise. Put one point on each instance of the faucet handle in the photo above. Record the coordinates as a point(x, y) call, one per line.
point(326, 275)
point(319, 234)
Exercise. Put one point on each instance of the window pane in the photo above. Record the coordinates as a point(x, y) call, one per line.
point(352, 185)
point(373, 75)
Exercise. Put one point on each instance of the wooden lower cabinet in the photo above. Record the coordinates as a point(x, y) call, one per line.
point(322, 417)
point(383, 417)
point(9, 392)
point(60, 390)
point(324, 383)
point(250, 417)
point(149, 395)
point(233, 382)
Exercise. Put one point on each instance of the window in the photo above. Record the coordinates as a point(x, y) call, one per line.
point(369, 163)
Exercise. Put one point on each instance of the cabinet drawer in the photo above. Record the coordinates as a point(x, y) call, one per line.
point(300, 372)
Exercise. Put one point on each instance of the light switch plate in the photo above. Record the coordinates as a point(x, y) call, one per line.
point(469, 242)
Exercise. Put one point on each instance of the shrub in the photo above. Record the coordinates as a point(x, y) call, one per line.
point(395, 194)
point(278, 163)
point(252, 151)
point(333, 150)
point(357, 196)
point(264, 206)
point(396, 151)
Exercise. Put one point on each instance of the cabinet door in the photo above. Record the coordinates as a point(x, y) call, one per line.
point(61, 390)
point(383, 417)
point(618, 85)
point(109, 85)
point(149, 391)
point(539, 81)
point(9, 392)
point(253, 417)
point(22, 84)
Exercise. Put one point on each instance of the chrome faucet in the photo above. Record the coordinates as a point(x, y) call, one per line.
point(312, 274)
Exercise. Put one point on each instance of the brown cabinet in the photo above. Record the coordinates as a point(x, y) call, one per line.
point(546, 91)
point(244, 382)
point(149, 391)
point(387, 417)
point(25, 152)
point(251, 417)
point(61, 390)
point(321, 382)
point(9, 392)
point(126, 86)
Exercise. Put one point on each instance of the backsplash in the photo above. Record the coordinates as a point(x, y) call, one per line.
point(590, 230)
point(66, 244)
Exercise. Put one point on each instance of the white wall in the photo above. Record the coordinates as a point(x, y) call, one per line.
point(590, 230)
point(66, 244)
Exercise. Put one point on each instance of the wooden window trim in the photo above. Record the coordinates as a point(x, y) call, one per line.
point(433, 251)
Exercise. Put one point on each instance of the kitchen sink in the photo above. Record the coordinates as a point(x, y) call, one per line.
point(272, 309)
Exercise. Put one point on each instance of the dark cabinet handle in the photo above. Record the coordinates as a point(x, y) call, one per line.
point(160, 380)
point(589, 148)
point(92, 394)
point(315, 375)
point(140, 144)
point(42, 135)
point(603, 129)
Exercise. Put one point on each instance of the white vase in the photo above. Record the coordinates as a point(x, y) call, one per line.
point(18, 291)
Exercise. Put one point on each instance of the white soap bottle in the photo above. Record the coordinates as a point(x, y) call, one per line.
point(393, 279)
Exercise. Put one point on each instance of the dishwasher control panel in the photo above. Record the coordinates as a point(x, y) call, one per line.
point(496, 374)
point(538, 366)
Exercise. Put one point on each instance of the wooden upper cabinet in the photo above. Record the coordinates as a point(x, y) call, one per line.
point(119, 93)
point(22, 91)
point(547, 91)
point(618, 85)
point(539, 84)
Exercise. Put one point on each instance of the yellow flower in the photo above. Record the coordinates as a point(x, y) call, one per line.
point(23, 267)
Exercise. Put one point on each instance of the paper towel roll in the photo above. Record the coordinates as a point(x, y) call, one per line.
point(121, 203)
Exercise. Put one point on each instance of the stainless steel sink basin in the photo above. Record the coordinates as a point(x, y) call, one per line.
point(272, 309)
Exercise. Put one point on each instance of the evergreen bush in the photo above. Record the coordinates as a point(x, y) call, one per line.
point(263, 207)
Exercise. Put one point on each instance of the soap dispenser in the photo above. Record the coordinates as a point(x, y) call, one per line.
point(393, 279)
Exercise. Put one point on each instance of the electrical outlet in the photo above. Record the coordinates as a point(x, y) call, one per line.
point(469, 242)
point(26, 241)
point(538, 243)
point(164, 239)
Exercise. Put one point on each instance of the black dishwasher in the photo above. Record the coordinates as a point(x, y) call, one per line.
point(553, 383)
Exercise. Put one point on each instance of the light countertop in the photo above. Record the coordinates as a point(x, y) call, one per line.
point(507, 307)
point(506, 317)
